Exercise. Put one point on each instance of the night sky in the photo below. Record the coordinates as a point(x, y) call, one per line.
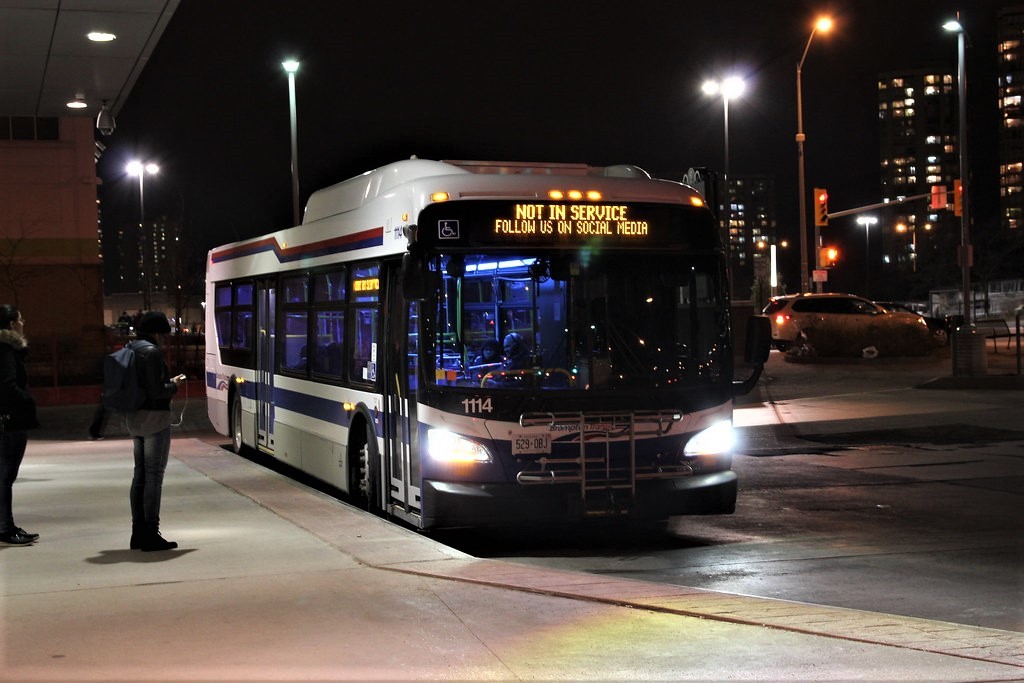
point(570, 81)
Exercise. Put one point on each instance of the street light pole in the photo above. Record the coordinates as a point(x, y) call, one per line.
point(966, 254)
point(291, 66)
point(824, 24)
point(729, 88)
point(968, 346)
point(140, 169)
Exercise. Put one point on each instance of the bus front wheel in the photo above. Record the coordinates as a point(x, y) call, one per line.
point(364, 475)
point(236, 424)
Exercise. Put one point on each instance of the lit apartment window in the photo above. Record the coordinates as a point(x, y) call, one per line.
point(910, 92)
point(931, 90)
point(933, 179)
point(897, 82)
point(932, 140)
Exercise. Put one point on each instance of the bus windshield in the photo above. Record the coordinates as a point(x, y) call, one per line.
point(578, 322)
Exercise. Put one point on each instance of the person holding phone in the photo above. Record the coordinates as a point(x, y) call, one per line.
point(17, 416)
point(150, 429)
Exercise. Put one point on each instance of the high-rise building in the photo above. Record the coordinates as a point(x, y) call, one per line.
point(158, 248)
point(1010, 74)
point(751, 229)
point(917, 113)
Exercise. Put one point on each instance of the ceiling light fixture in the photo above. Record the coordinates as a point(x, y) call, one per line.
point(78, 103)
point(100, 36)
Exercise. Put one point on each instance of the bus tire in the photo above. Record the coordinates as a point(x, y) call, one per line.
point(236, 424)
point(364, 469)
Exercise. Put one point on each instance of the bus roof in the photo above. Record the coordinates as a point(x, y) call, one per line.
point(354, 193)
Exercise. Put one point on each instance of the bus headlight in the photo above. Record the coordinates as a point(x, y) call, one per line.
point(449, 447)
point(718, 439)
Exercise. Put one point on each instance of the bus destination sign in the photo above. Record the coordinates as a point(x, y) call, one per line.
point(566, 224)
point(570, 221)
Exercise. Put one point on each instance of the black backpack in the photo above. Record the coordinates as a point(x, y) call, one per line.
point(121, 389)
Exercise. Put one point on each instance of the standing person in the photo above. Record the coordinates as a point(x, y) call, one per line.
point(17, 415)
point(150, 429)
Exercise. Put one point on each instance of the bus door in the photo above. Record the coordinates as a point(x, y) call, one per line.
point(401, 332)
point(265, 323)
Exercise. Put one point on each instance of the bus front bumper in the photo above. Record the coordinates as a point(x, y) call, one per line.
point(454, 504)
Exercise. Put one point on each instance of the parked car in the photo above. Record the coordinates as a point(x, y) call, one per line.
point(939, 327)
point(797, 314)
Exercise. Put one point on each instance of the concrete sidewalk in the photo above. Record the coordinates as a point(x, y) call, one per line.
point(275, 581)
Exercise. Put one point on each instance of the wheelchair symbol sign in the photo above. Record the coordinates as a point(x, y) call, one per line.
point(448, 230)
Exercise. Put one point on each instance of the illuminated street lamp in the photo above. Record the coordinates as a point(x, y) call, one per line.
point(824, 25)
point(140, 169)
point(867, 222)
point(729, 88)
point(965, 221)
point(290, 67)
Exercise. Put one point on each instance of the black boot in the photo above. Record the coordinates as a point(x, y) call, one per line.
point(154, 541)
point(138, 536)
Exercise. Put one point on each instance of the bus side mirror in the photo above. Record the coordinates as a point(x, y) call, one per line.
point(759, 340)
point(415, 274)
point(756, 348)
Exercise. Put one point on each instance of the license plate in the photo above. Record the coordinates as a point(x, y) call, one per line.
point(531, 444)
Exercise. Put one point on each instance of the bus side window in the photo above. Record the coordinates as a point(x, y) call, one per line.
point(364, 345)
point(412, 350)
point(328, 348)
point(295, 342)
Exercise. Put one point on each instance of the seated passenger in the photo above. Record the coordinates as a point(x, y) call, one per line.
point(490, 352)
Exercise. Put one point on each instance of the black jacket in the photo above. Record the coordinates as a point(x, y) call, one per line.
point(17, 407)
point(153, 375)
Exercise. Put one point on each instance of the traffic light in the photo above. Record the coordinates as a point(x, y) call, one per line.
point(958, 198)
point(827, 257)
point(820, 206)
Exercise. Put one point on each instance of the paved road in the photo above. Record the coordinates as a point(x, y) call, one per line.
point(860, 491)
point(273, 580)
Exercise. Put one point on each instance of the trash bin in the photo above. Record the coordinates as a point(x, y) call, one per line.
point(969, 357)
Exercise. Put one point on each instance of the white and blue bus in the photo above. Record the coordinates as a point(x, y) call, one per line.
point(480, 343)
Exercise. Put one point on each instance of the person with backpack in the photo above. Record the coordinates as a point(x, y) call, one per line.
point(17, 415)
point(150, 428)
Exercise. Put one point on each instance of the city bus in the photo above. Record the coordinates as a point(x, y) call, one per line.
point(467, 343)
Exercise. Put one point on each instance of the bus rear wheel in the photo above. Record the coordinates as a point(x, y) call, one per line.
point(236, 424)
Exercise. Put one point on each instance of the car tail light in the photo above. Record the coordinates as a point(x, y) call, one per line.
point(781, 319)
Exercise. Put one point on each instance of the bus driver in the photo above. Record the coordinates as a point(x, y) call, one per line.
point(517, 355)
